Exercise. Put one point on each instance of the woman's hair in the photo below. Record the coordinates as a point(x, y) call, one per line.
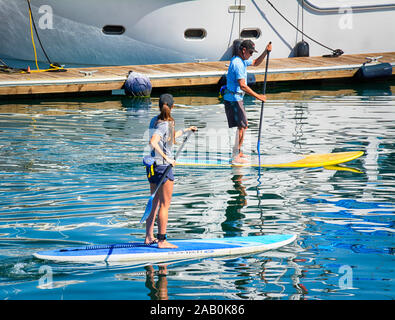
point(165, 113)
point(166, 103)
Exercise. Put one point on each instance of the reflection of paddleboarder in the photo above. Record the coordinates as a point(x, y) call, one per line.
point(236, 87)
point(158, 290)
point(233, 213)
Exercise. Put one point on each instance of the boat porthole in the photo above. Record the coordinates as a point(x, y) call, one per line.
point(113, 29)
point(250, 33)
point(195, 34)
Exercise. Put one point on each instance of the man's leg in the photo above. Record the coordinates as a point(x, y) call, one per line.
point(238, 157)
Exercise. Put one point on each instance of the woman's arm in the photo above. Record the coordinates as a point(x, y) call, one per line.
point(179, 133)
point(154, 142)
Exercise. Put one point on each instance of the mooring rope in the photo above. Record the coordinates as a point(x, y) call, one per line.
point(335, 52)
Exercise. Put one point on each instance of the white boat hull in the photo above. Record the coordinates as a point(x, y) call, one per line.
point(72, 31)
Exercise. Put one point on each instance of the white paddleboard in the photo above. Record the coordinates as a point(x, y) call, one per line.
point(187, 249)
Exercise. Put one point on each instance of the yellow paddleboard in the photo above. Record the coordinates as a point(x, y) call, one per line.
point(297, 161)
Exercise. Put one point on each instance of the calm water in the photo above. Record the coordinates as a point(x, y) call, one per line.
point(71, 174)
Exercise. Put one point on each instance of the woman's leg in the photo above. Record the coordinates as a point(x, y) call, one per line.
point(165, 194)
point(149, 226)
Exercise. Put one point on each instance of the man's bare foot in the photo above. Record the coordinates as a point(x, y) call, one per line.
point(242, 155)
point(239, 160)
point(166, 245)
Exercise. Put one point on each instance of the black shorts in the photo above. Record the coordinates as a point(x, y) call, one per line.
point(155, 173)
point(236, 114)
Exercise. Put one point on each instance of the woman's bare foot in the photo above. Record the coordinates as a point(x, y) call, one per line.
point(150, 240)
point(166, 245)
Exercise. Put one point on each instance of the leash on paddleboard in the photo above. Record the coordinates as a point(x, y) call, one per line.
point(148, 208)
point(258, 147)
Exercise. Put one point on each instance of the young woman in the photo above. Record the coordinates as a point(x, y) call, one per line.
point(162, 138)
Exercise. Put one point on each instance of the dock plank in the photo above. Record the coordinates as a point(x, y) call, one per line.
point(181, 74)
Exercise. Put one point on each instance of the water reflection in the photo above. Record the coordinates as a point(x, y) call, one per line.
point(300, 119)
point(232, 225)
point(157, 289)
point(136, 106)
point(70, 173)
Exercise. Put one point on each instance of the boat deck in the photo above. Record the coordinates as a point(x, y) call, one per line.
point(98, 79)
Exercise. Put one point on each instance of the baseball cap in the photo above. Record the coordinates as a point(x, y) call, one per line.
point(249, 45)
point(167, 99)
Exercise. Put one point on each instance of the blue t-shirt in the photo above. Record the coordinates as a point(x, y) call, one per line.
point(237, 70)
point(165, 130)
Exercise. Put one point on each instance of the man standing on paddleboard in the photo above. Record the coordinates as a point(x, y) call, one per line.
point(236, 87)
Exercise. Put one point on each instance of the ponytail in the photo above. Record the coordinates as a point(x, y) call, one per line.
point(165, 115)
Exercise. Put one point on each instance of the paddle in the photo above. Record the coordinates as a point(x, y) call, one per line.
point(148, 208)
point(261, 118)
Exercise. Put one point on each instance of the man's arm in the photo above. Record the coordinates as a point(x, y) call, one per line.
point(243, 86)
point(259, 60)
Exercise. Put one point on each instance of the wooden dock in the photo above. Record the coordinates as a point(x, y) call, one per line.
point(99, 79)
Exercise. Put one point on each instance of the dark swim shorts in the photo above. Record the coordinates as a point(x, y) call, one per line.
point(236, 114)
point(155, 173)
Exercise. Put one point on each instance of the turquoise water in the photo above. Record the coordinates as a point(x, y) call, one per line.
point(71, 175)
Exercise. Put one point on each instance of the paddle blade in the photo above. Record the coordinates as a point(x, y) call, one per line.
point(148, 209)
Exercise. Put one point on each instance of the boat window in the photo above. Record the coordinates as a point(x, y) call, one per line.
point(250, 33)
point(113, 30)
point(195, 34)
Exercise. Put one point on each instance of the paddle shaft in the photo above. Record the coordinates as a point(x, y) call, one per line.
point(262, 107)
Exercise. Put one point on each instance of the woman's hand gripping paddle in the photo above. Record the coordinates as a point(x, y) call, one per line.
point(261, 118)
point(148, 208)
